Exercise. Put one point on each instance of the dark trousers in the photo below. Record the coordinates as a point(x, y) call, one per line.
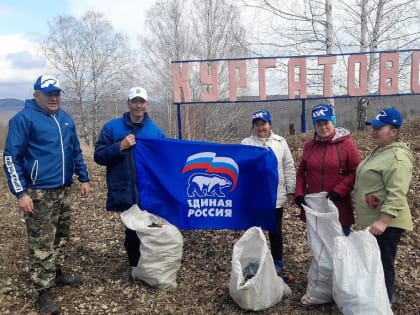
point(388, 242)
point(276, 237)
point(132, 246)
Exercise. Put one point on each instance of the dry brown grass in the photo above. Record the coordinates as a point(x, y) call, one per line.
point(96, 253)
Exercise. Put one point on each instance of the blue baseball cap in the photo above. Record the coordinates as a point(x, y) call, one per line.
point(323, 112)
point(262, 114)
point(47, 83)
point(386, 116)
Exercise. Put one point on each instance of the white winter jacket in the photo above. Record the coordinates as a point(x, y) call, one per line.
point(286, 164)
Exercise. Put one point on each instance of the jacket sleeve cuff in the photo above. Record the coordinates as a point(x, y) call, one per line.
point(21, 194)
point(389, 212)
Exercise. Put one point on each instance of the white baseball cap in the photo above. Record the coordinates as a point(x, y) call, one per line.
point(137, 92)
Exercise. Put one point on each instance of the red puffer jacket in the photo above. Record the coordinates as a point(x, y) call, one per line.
point(329, 165)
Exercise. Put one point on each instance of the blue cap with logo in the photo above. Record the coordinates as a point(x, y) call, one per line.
point(323, 111)
point(262, 114)
point(47, 83)
point(386, 116)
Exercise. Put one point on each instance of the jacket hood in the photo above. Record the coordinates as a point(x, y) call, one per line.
point(400, 145)
point(128, 122)
point(271, 137)
point(31, 104)
point(339, 135)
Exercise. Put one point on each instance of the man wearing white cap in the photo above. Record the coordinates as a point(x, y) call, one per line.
point(114, 149)
point(41, 155)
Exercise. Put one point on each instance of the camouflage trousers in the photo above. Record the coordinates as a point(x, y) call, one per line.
point(48, 233)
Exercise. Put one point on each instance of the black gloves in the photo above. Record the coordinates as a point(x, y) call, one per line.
point(299, 201)
point(333, 196)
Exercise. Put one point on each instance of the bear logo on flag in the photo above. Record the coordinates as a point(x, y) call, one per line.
point(205, 185)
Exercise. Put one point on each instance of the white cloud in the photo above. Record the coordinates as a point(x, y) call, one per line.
point(15, 74)
point(21, 59)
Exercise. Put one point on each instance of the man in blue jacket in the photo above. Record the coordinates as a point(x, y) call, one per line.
point(115, 149)
point(41, 155)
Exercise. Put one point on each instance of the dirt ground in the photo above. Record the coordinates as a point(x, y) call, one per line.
point(96, 253)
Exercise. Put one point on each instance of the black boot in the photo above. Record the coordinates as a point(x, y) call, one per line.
point(63, 279)
point(46, 303)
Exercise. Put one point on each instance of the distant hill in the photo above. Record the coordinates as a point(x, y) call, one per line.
point(9, 107)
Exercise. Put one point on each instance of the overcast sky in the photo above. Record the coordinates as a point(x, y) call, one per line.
point(24, 25)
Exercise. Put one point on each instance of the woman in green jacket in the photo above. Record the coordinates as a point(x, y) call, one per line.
point(380, 190)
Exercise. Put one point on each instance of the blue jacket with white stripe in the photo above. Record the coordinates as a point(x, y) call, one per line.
point(42, 150)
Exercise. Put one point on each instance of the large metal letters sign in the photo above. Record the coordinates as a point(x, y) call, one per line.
point(283, 78)
point(297, 77)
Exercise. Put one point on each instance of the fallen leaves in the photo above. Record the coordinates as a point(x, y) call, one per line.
point(96, 253)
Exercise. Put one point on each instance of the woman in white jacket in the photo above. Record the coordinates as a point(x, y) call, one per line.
point(263, 136)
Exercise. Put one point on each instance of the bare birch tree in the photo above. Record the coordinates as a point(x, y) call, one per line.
point(302, 26)
point(384, 25)
point(295, 27)
point(94, 64)
point(219, 33)
point(184, 30)
point(166, 39)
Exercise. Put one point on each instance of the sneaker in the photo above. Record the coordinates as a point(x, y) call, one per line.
point(62, 279)
point(46, 304)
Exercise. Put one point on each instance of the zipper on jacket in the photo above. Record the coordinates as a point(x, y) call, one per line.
point(61, 145)
point(322, 166)
point(34, 172)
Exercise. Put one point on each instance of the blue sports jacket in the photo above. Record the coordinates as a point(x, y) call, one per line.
point(121, 176)
point(42, 150)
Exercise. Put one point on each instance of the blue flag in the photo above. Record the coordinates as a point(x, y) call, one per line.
point(204, 185)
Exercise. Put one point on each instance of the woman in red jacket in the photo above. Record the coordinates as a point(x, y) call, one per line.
point(328, 163)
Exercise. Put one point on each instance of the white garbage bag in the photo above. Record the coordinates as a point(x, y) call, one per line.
point(263, 288)
point(160, 248)
point(322, 227)
point(358, 281)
